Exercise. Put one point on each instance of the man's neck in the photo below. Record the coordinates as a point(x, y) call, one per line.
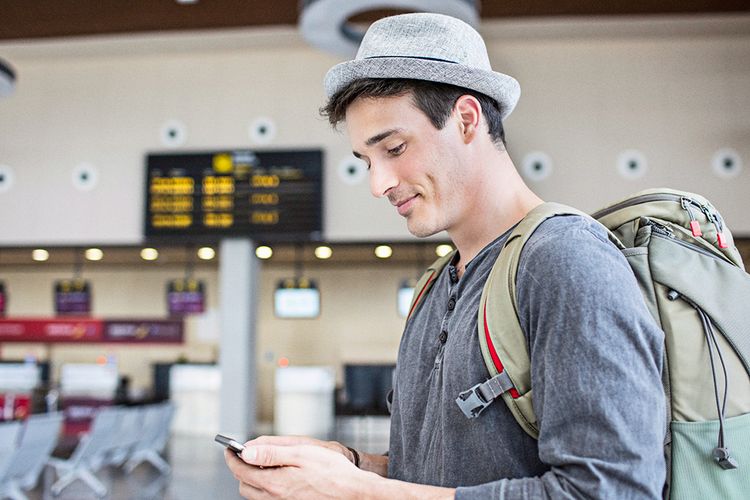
point(501, 201)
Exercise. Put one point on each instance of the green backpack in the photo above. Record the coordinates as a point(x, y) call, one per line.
point(695, 285)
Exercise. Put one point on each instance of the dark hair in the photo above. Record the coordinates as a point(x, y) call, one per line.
point(436, 100)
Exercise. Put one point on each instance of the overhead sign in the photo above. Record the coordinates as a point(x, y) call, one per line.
point(185, 296)
point(83, 330)
point(72, 297)
point(269, 194)
point(296, 298)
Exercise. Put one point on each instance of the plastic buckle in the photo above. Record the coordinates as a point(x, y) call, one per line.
point(471, 402)
point(726, 462)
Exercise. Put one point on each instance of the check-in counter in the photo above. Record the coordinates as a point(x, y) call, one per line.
point(194, 390)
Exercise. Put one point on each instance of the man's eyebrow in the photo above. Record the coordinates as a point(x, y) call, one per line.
point(379, 137)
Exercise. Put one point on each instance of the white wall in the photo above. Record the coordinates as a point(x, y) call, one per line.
point(358, 323)
point(675, 89)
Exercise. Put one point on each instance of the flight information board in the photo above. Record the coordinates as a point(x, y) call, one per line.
point(268, 194)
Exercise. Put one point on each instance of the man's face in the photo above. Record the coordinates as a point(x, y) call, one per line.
point(415, 165)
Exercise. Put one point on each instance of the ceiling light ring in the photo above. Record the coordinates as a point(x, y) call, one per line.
point(325, 23)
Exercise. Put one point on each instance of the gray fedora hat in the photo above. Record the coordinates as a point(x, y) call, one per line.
point(430, 47)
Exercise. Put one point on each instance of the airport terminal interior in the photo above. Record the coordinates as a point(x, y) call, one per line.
point(187, 247)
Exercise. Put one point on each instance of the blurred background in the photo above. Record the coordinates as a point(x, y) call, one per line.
point(180, 229)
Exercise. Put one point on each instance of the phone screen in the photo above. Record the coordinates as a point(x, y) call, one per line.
point(229, 443)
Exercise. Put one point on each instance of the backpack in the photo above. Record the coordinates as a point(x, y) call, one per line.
point(694, 284)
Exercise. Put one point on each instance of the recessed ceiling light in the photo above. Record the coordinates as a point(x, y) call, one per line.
point(263, 252)
point(383, 251)
point(40, 255)
point(206, 253)
point(323, 252)
point(443, 250)
point(94, 254)
point(149, 254)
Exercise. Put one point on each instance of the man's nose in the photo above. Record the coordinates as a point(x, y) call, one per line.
point(382, 180)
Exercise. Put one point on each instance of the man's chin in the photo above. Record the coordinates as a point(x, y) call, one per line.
point(420, 231)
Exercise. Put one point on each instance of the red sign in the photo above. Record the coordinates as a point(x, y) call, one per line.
point(143, 331)
point(14, 406)
point(90, 330)
point(50, 330)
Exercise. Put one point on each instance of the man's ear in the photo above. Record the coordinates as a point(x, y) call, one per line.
point(469, 113)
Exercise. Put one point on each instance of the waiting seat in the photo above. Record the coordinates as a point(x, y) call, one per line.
point(157, 422)
point(90, 454)
point(39, 435)
point(129, 431)
point(8, 439)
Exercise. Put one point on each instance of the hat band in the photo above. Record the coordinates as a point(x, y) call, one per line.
point(413, 57)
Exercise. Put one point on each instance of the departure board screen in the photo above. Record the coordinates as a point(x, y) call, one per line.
point(268, 194)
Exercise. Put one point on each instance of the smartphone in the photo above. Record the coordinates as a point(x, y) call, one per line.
point(229, 443)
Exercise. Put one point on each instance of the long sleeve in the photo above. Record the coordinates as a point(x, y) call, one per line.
point(596, 357)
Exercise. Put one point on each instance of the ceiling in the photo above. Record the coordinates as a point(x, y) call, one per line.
point(420, 253)
point(33, 19)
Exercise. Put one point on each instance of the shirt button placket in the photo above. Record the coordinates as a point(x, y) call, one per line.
point(451, 303)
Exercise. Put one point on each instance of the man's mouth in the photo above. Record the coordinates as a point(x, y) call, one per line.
point(405, 205)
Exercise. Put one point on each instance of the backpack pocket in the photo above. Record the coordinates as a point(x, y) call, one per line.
point(695, 474)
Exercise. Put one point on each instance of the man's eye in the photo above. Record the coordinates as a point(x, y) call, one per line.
point(397, 150)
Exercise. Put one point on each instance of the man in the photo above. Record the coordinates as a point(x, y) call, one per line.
point(424, 110)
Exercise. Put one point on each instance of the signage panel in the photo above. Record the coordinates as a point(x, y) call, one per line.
point(268, 194)
point(185, 296)
point(72, 297)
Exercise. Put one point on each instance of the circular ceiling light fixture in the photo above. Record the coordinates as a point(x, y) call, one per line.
point(7, 79)
point(325, 23)
point(383, 251)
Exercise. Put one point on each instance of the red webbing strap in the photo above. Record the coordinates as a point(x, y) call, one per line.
point(493, 353)
point(426, 287)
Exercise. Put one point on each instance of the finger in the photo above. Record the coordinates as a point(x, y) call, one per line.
point(234, 463)
point(250, 492)
point(245, 473)
point(274, 456)
point(282, 440)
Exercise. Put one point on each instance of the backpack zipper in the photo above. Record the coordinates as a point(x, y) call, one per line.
point(646, 198)
point(712, 217)
point(695, 226)
point(664, 232)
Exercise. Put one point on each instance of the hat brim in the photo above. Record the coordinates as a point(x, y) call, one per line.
point(503, 88)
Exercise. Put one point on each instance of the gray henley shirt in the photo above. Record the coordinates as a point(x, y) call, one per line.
point(596, 357)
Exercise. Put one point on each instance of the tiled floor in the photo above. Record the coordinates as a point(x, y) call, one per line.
point(198, 473)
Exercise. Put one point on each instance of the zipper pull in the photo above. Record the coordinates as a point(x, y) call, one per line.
point(722, 242)
point(656, 227)
point(695, 226)
point(714, 218)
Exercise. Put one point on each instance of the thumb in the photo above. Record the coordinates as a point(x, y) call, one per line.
point(270, 455)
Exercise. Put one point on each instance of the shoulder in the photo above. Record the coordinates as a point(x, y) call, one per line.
point(567, 238)
point(571, 251)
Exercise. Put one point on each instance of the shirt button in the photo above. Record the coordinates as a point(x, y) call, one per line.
point(451, 303)
point(443, 337)
point(453, 274)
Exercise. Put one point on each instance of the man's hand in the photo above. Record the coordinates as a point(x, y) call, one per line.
point(301, 441)
point(294, 470)
point(368, 462)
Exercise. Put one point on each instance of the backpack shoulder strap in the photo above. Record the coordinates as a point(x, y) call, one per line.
point(425, 282)
point(503, 343)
